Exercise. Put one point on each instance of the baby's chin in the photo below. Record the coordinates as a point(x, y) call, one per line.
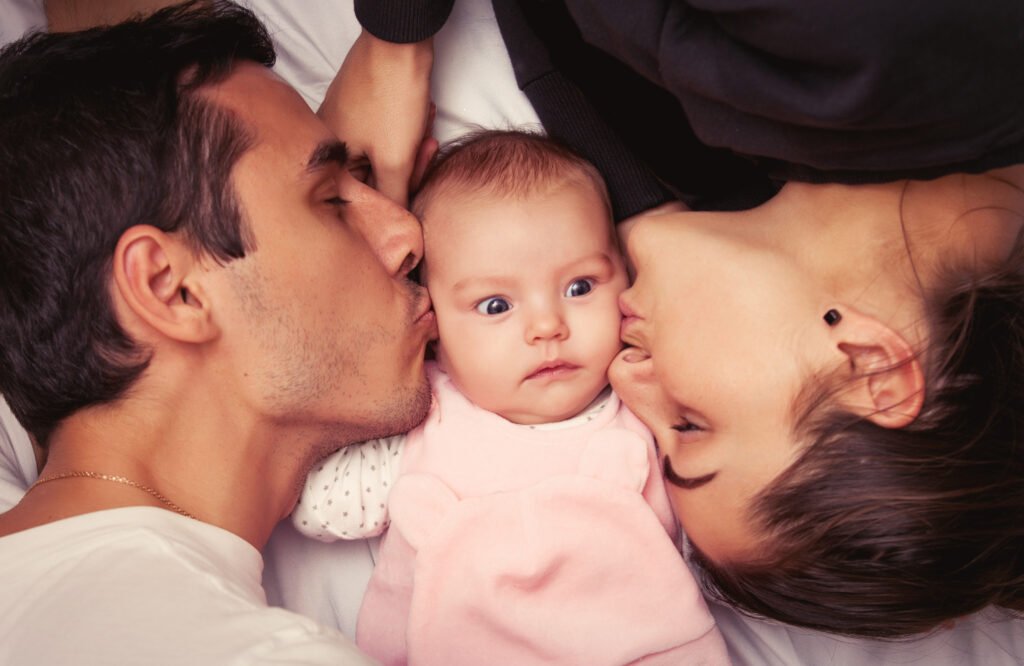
point(551, 413)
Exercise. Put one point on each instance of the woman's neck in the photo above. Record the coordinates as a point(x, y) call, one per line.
point(880, 247)
point(849, 242)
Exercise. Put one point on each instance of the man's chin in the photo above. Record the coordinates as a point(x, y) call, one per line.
point(406, 408)
point(412, 412)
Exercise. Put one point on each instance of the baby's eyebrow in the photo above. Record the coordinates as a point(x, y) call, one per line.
point(595, 258)
point(684, 483)
point(489, 281)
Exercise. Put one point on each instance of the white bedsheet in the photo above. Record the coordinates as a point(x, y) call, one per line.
point(473, 86)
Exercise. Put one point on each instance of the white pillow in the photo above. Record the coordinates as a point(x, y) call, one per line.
point(473, 83)
point(18, 17)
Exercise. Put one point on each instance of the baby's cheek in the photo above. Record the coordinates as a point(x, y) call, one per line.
point(608, 334)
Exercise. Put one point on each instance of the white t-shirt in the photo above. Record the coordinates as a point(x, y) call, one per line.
point(143, 585)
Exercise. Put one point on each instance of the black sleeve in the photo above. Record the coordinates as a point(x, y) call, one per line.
point(833, 90)
point(633, 131)
point(568, 117)
point(403, 21)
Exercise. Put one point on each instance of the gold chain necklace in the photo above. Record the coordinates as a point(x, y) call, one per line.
point(116, 479)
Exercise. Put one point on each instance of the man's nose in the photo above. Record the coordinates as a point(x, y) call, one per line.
point(393, 233)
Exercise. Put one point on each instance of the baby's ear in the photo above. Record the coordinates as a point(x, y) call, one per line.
point(884, 380)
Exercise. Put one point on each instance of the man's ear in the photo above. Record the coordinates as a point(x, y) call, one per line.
point(885, 382)
point(159, 280)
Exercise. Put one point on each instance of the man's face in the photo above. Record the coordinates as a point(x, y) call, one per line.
point(321, 326)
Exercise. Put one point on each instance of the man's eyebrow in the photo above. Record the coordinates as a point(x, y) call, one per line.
point(327, 153)
point(680, 482)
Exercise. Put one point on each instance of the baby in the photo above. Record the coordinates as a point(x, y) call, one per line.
point(528, 519)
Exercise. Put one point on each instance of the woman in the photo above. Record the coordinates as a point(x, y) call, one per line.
point(840, 410)
point(834, 375)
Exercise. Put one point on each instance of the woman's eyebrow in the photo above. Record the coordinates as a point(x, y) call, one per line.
point(680, 482)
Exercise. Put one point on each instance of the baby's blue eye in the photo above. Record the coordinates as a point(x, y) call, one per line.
point(494, 305)
point(579, 287)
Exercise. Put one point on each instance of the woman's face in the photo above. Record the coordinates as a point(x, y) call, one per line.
point(721, 327)
point(725, 324)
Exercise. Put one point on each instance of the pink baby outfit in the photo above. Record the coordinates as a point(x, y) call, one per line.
point(512, 545)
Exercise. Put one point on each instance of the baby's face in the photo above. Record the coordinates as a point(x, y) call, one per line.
point(526, 295)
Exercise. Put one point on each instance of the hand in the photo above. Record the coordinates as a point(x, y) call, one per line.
point(71, 15)
point(379, 105)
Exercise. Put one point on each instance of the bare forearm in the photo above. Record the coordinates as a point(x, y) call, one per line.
point(379, 104)
point(70, 15)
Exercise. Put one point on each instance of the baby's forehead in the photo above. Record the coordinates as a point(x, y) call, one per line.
point(456, 201)
point(473, 229)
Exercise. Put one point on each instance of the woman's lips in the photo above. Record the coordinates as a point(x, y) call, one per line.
point(628, 329)
point(630, 319)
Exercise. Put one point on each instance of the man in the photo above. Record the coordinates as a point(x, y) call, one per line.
point(197, 302)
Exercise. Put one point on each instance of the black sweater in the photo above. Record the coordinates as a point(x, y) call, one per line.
point(815, 90)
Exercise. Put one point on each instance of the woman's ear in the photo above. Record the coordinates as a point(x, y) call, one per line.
point(885, 382)
point(159, 280)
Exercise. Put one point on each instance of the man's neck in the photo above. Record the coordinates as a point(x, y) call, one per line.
point(213, 463)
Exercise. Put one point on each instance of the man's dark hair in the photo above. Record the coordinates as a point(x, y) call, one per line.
point(102, 130)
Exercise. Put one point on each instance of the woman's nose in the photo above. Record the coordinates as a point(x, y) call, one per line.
point(632, 376)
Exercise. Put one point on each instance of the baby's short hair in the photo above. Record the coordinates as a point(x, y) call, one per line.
point(510, 163)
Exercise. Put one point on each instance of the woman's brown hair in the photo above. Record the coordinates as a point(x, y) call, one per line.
point(890, 532)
